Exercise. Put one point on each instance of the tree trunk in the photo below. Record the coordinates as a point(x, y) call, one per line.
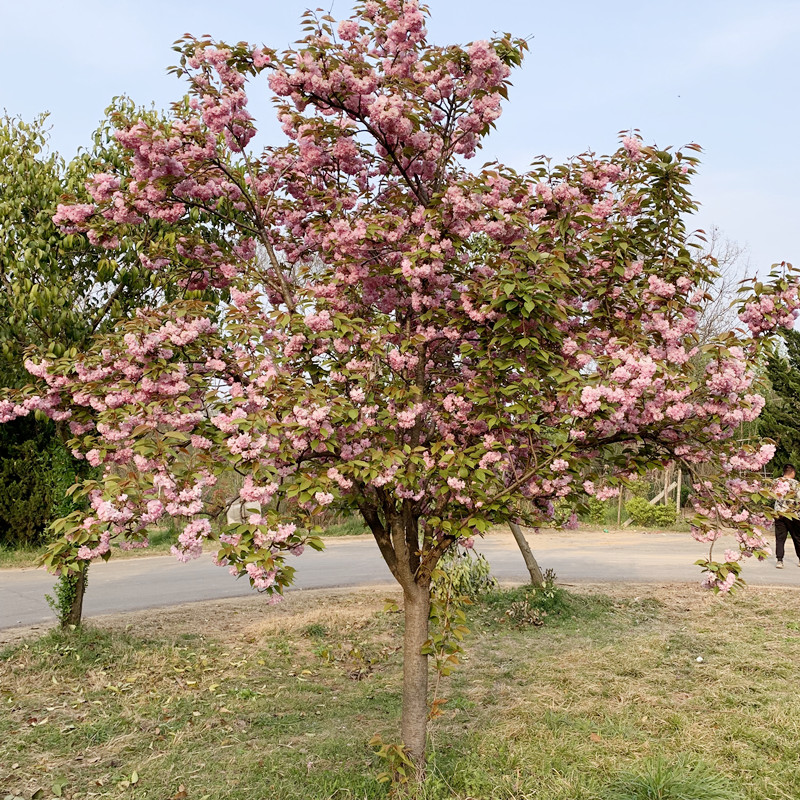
point(415, 674)
point(75, 613)
point(537, 579)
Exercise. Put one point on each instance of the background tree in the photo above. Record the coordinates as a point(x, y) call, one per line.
point(730, 265)
point(440, 349)
point(780, 419)
point(36, 470)
point(57, 293)
point(33, 461)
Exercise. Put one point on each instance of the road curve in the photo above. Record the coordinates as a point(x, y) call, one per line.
point(157, 581)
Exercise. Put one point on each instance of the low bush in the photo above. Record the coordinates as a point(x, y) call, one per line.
point(597, 511)
point(663, 516)
point(647, 515)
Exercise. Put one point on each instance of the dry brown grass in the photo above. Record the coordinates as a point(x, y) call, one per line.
point(239, 699)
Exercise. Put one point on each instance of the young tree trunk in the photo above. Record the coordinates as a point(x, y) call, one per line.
point(415, 674)
point(537, 579)
point(75, 612)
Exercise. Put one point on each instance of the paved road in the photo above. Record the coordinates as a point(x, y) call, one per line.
point(152, 582)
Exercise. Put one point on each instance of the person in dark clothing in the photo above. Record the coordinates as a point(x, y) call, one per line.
point(788, 503)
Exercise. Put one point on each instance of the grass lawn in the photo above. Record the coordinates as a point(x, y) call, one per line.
point(238, 699)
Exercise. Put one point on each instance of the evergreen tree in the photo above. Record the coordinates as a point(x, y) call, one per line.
point(780, 419)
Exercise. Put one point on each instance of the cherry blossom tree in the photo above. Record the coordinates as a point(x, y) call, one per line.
point(437, 348)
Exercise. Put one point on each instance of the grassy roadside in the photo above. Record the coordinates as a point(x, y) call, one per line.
point(160, 542)
point(237, 699)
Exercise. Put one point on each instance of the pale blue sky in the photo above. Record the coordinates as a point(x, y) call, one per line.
point(723, 74)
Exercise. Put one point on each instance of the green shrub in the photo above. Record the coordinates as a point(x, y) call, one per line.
point(663, 516)
point(597, 511)
point(639, 510)
point(650, 516)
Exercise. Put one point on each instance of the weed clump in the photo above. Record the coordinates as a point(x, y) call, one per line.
point(682, 779)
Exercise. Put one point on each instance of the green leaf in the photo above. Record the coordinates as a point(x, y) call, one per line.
point(58, 786)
